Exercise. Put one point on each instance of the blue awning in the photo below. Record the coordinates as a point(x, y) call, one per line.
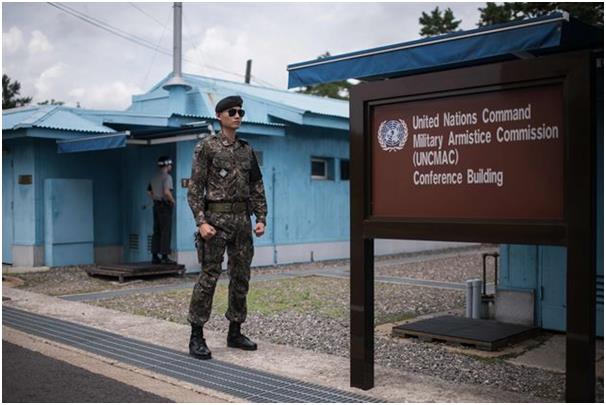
point(492, 43)
point(90, 143)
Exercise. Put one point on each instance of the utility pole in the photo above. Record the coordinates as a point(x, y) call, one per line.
point(248, 69)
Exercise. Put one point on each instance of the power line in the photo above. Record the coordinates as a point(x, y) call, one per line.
point(138, 40)
point(109, 28)
point(164, 29)
point(149, 15)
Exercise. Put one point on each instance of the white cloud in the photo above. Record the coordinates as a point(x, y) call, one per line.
point(39, 43)
point(47, 84)
point(220, 53)
point(12, 40)
point(115, 95)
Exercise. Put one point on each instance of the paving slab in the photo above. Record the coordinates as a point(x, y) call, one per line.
point(23, 269)
point(390, 385)
point(551, 355)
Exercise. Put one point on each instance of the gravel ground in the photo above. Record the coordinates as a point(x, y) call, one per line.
point(462, 263)
point(75, 280)
point(456, 268)
point(316, 317)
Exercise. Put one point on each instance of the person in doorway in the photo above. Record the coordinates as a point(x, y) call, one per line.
point(160, 189)
point(225, 189)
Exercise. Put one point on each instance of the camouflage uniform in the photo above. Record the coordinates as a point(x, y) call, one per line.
point(224, 173)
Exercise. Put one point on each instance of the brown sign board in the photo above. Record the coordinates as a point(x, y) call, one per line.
point(492, 155)
point(503, 153)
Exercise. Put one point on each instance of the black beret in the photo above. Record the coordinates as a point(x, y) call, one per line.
point(228, 102)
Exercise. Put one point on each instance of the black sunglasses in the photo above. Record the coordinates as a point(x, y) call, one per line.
point(233, 111)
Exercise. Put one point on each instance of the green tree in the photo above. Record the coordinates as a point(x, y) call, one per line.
point(438, 22)
point(339, 90)
point(51, 102)
point(10, 91)
point(590, 13)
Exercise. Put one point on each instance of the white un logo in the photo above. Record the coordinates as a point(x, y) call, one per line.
point(392, 135)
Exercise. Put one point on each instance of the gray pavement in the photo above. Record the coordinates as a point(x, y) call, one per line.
point(28, 376)
point(391, 385)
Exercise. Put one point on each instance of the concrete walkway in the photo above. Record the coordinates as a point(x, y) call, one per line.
point(332, 371)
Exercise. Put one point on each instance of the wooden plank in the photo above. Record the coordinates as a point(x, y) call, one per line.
point(129, 270)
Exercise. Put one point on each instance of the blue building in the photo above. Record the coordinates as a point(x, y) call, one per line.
point(74, 180)
point(532, 279)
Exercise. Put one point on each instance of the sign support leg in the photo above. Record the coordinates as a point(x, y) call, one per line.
point(362, 313)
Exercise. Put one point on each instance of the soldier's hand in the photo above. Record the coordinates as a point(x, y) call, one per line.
point(207, 231)
point(259, 229)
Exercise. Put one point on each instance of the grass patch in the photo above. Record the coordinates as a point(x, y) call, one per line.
point(304, 294)
point(394, 317)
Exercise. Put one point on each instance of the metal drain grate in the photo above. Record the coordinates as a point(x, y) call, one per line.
point(248, 384)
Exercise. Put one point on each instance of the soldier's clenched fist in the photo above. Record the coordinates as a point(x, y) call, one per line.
point(207, 231)
point(259, 229)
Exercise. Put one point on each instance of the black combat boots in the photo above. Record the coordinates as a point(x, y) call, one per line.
point(197, 344)
point(236, 339)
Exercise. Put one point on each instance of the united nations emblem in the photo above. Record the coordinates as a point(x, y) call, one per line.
point(392, 135)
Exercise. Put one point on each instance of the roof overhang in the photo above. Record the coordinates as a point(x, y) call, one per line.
point(556, 32)
point(93, 143)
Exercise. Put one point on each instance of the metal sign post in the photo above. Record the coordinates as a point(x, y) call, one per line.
point(501, 153)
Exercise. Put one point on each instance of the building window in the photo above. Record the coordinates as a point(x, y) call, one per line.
point(344, 169)
point(319, 169)
point(322, 168)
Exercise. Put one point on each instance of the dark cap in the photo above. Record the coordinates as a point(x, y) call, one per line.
point(164, 161)
point(228, 102)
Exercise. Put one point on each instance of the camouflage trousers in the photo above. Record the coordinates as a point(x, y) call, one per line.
point(234, 234)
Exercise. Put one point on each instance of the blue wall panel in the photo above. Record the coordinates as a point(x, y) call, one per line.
point(103, 168)
point(8, 192)
point(518, 267)
point(301, 210)
point(69, 235)
point(186, 226)
point(25, 194)
point(139, 165)
point(552, 297)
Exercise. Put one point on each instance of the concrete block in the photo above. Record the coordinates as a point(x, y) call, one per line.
point(28, 255)
point(515, 306)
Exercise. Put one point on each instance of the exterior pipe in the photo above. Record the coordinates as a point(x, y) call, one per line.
point(468, 298)
point(477, 299)
point(177, 18)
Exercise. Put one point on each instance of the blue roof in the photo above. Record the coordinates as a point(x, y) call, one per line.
point(555, 32)
point(262, 104)
point(280, 98)
point(51, 117)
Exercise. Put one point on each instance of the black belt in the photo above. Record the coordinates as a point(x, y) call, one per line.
point(227, 207)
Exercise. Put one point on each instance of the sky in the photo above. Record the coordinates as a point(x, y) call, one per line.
point(55, 55)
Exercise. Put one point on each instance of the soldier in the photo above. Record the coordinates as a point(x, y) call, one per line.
point(160, 191)
point(225, 188)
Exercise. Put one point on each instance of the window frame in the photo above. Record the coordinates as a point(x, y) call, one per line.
point(321, 160)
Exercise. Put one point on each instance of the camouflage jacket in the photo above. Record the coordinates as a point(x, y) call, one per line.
point(225, 174)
